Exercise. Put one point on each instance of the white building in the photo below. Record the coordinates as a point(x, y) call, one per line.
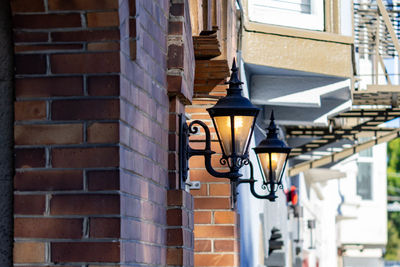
point(297, 59)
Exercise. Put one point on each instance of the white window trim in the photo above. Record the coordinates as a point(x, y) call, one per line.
point(313, 21)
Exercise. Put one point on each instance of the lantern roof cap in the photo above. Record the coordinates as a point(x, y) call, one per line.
point(234, 103)
point(272, 143)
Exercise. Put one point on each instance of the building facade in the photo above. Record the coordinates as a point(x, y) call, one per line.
point(93, 92)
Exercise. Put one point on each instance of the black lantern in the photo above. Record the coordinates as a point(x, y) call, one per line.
point(234, 118)
point(272, 155)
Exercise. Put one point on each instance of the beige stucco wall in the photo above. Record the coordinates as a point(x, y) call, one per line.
point(297, 53)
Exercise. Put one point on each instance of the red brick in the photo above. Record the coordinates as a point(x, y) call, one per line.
point(49, 86)
point(84, 204)
point(30, 110)
point(103, 132)
point(202, 217)
point(175, 237)
point(224, 217)
point(47, 47)
point(106, 62)
point(47, 228)
point(30, 64)
point(214, 260)
point(202, 246)
point(48, 134)
point(29, 204)
point(175, 256)
point(102, 19)
point(104, 46)
point(105, 227)
point(47, 21)
point(220, 189)
point(85, 157)
point(132, 49)
point(132, 28)
point(103, 85)
point(173, 180)
point(85, 252)
point(212, 203)
point(174, 83)
point(48, 180)
point(179, 198)
point(175, 28)
point(91, 109)
point(89, 35)
point(200, 192)
point(30, 158)
point(20, 36)
point(27, 6)
point(196, 162)
point(175, 56)
point(103, 180)
point(177, 9)
point(201, 175)
point(29, 252)
point(132, 7)
point(208, 231)
point(83, 4)
point(174, 217)
point(224, 245)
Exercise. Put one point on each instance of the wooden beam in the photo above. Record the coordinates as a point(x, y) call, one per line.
point(373, 88)
point(384, 69)
point(389, 26)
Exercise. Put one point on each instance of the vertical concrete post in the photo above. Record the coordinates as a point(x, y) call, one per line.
point(6, 135)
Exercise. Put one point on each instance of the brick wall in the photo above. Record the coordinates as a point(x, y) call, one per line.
point(91, 133)
point(180, 76)
point(144, 131)
point(66, 198)
point(99, 85)
point(216, 224)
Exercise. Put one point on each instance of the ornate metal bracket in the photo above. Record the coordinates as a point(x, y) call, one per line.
point(272, 189)
point(186, 152)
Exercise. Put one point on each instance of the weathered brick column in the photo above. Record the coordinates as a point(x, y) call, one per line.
point(180, 78)
point(91, 132)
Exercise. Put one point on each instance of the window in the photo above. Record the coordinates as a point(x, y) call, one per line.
point(366, 153)
point(364, 175)
point(305, 14)
point(364, 180)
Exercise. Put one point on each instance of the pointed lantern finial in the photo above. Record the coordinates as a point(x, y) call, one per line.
point(234, 82)
point(272, 131)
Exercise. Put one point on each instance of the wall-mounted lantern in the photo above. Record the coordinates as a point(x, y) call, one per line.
point(272, 155)
point(234, 117)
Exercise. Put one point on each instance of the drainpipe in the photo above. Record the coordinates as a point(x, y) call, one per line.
point(6, 135)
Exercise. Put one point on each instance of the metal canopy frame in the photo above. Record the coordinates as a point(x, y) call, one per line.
point(327, 135)
point(334, 157)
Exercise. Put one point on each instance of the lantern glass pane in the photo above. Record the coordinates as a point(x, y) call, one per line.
point(274, 160)
point(242, 129)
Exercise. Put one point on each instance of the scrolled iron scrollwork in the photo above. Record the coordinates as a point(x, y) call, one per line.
point(223, 161)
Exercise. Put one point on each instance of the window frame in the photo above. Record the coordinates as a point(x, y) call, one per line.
point(314, 21)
